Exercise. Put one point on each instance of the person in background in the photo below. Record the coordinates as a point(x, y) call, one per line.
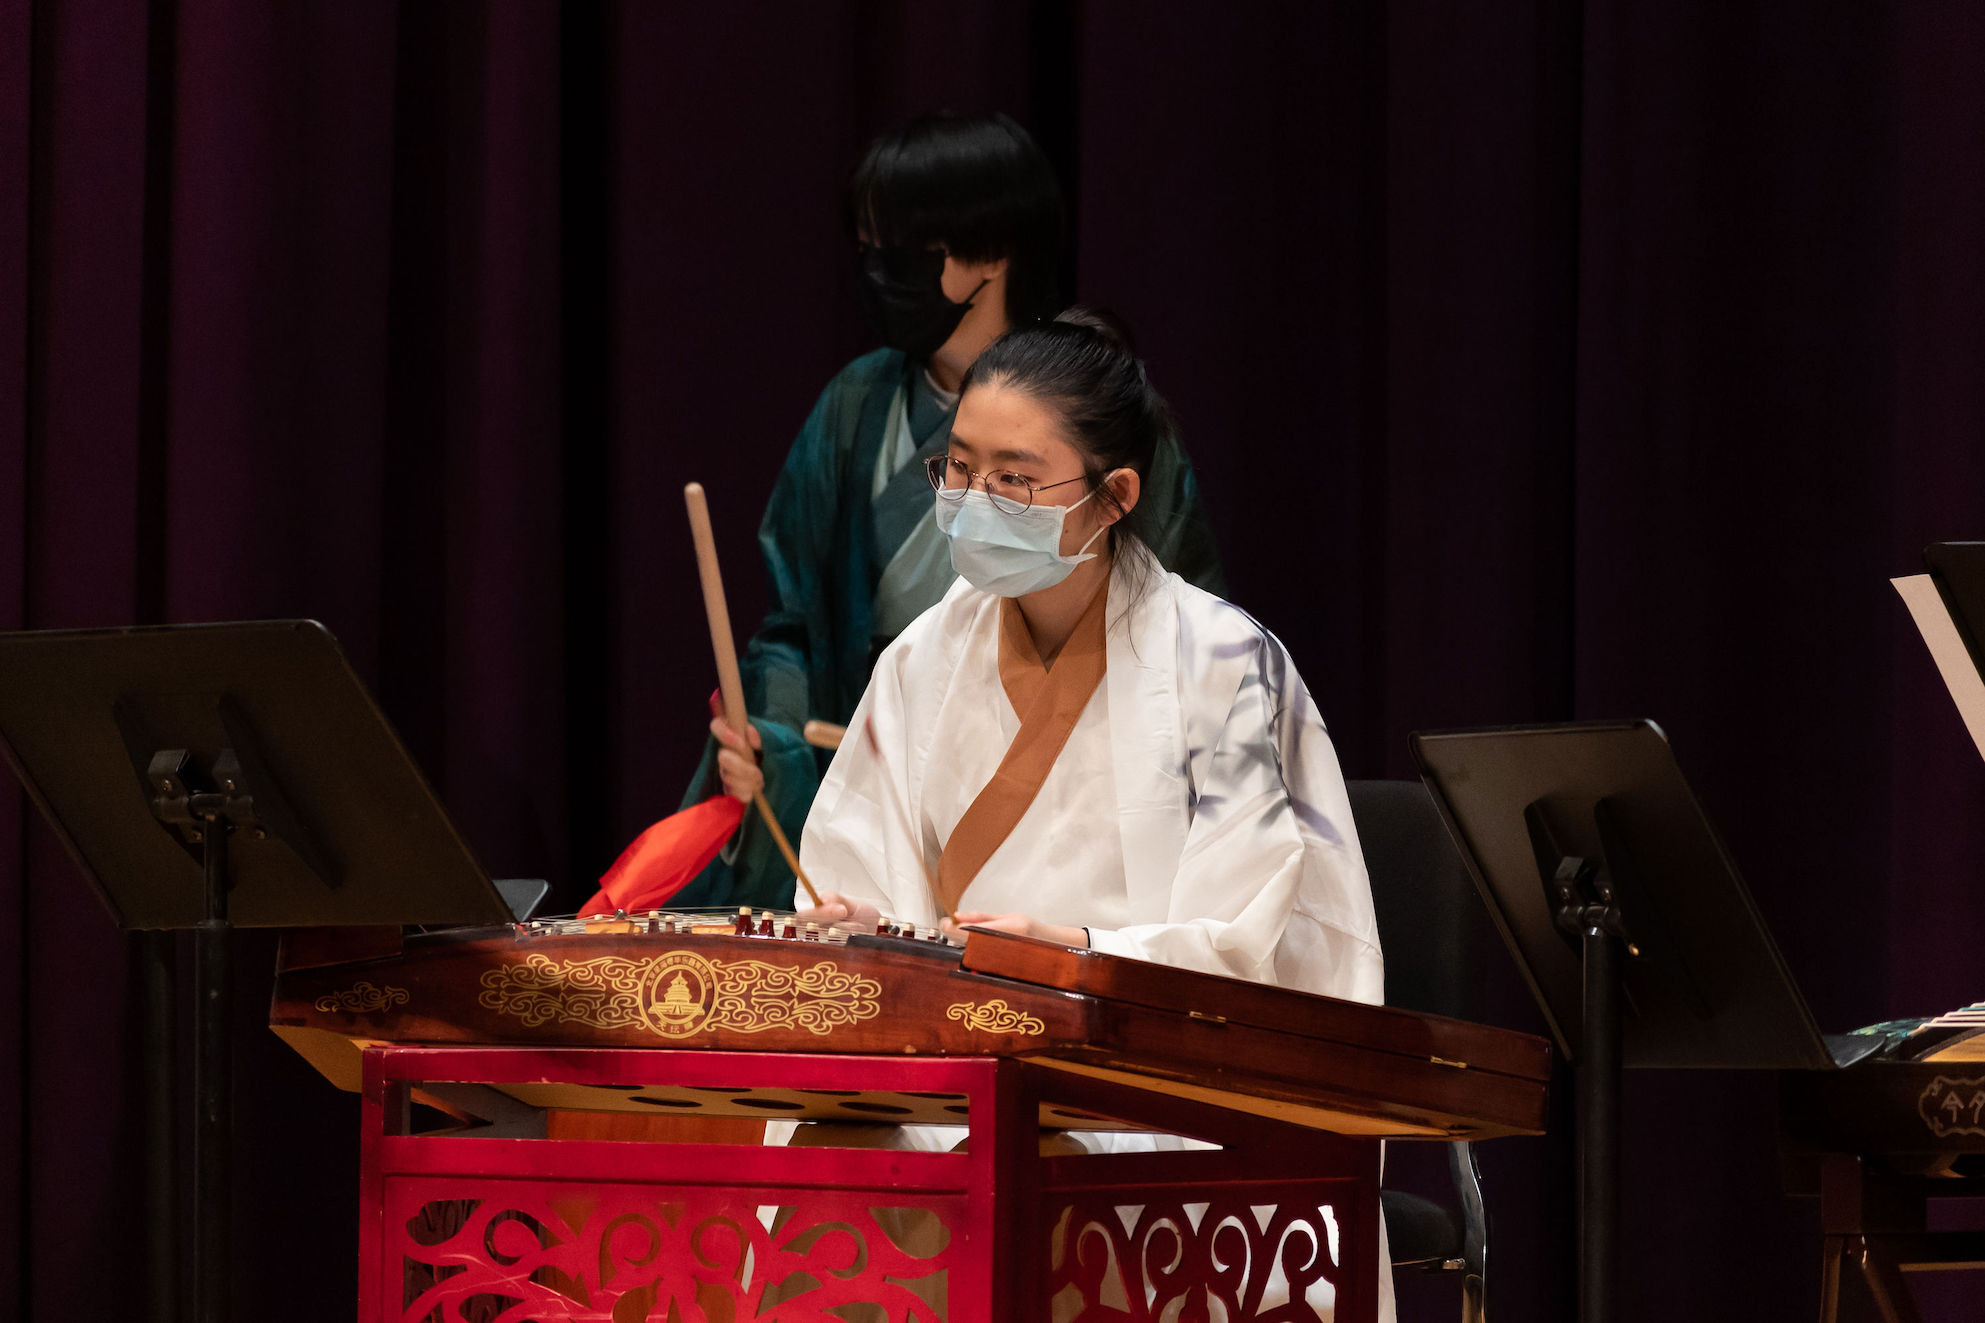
point(957, 224)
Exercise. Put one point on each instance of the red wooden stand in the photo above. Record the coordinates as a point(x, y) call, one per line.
point(460, 1229)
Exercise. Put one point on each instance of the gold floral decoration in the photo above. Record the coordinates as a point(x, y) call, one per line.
point(994, 1017)
point(364, 998)
point(678, 994)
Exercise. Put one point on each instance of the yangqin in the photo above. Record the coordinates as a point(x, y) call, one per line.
point(595, 1094)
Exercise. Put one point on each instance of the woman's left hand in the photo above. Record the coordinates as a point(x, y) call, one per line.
point(1023, 924)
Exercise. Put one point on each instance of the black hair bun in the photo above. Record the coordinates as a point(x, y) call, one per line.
point(1111, 327)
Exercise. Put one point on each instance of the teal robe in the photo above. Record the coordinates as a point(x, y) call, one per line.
point(826, 541)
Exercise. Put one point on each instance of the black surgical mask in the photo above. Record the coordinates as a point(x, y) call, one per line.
point(903, 294)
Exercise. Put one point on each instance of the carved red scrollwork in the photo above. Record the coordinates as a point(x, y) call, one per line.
point(524, 1252)
point(1191, 1263)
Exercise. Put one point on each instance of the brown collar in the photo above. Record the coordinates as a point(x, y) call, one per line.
point(1048, 700)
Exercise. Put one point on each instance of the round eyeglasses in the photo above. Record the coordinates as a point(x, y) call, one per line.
point(1009, 492)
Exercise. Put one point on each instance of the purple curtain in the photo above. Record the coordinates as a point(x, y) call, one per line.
point(1541, 360)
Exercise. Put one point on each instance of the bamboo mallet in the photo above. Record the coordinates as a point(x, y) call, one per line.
point(729, 683)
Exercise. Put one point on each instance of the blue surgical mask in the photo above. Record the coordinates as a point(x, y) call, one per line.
point(1009, 555)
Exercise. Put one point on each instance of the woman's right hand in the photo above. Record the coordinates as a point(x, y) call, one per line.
point(844, 910)
point(737, 760)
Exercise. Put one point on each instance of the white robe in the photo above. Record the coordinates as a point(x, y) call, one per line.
point(1196, 816)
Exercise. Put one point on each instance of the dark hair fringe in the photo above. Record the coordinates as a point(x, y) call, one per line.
point(976, 184)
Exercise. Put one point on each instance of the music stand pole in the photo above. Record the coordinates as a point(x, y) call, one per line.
point(213, 802)
point(161, 1130)
point(1599, 1126)
point(213, 1082)
point(1587, 908)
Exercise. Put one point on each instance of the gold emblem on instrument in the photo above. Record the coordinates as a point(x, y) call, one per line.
point(994, 1017)
point(364, 998)
point(686, 984)
point(1953, 1106)
point(679, 994)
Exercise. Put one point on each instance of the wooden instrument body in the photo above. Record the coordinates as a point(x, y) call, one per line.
point(1884, 1145)
point(1313, 1061)
point(1922, 1118)
point(512, 1026)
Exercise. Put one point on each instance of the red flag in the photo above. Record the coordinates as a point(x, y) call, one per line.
point(664, 858)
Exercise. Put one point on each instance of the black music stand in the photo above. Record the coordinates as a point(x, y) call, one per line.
point(1948, 607)
point(1959, 569)
point(1630, 924)
point(210, 776)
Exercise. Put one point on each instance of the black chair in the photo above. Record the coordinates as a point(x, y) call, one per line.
point(1434, 931)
